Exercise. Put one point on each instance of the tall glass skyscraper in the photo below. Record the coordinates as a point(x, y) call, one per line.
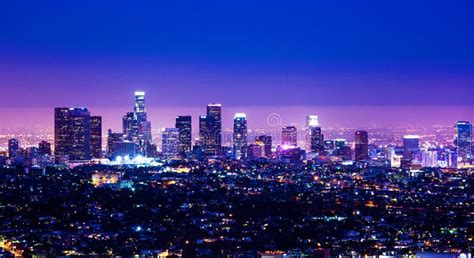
point(170, 144)
point(361, 145)
point(214, 116)
point(240, 135)
point(266, 141)
point(289, 136)
point(72, 134)
point(13, 148)
point(96, 137)
point(139, 101)
point(44, 148)
point(314, 138)
point(210, 126)
point(411, 146)
point(463, 140)
point(203, 131)
point(136, 127)
point(184, 125)
point(113, 140)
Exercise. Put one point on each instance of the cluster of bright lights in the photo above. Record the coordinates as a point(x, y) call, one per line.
point(138, 160)
point(287, 147)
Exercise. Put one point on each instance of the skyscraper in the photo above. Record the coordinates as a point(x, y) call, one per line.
point(170, 145)
point(289, 136)
point(266, 141)
point(210, 135)
point(136, 127)
point(338, 144)
point(342, 149)
point(361, 145)
point(184, 125)
point(314, 137)
point(32, 154)
point(411, 146)
point(112, 140)
point(203, 130)
point(429, 158)
point(130, 126)
point(140, 105)
point(96, 137)
point(13, 148)
point(240, 135)
point(329, 147)
point(72, 134)
point(215, 124)
point(44, 148)
point(463, 140)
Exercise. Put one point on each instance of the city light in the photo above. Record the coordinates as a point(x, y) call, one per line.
point(267, 129)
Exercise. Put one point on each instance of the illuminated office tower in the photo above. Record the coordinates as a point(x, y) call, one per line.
point(170, 146)
point(314, 138)
point(13, 148)
point(361, 149)
point(44, 148)
point(215, 124)
point(338, 145)
point(32, 154)
point(203, 130)
point(112, 140)
point(411, 146)
point(429, 159)
point(72, 134)
point(130, 126)
point(329, 147)
point(139, 108)
point(289, 136)
point(136, 127)
point(266, 141)
point(210, 135)
point(184, 125)
point(342, 149)
point(240, 135)
point(255, 151)
point(96, 137)
point(144, 132)
point(463, 140)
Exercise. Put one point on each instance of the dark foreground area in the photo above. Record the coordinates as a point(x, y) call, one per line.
point(234, 209)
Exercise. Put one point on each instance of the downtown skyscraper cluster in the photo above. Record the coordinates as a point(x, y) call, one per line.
point(77, 134)
point(78, 138)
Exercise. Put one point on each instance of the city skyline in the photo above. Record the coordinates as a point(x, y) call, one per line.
point(237, 128)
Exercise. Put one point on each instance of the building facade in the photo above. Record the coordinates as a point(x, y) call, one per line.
point(463, 140)
point(361, 147)
point(184, 125)
point(170, 144)
point(239, 139)
point(96, 137)
point(314, 139)
point(72, 134)
point(289, 136)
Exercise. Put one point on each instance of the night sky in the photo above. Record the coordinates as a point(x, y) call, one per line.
point(238, 53)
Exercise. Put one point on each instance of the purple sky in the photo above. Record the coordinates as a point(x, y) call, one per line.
point(352, 62)
point(109, 82)
point(259, 117)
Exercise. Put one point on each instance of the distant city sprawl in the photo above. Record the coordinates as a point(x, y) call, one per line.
point(310, 191)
